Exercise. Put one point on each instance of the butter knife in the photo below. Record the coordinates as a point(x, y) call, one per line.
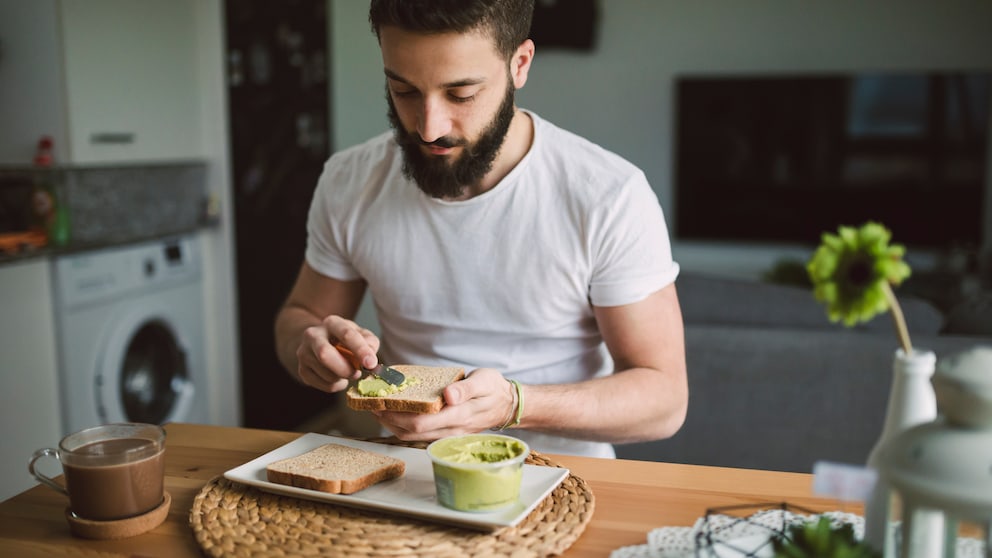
point(389, 375)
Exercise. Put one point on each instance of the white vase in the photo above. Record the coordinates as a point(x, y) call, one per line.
point(911, 402)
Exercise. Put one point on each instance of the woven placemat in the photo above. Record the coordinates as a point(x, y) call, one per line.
point(232, 519)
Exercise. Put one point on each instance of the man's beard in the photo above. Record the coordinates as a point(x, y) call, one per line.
point(440, 177)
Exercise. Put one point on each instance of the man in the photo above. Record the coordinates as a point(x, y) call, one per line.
point(490, 239)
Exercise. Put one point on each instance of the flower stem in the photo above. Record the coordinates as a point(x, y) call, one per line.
point(897, 318)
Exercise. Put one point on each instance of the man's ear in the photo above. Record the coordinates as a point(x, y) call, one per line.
point(520, 63)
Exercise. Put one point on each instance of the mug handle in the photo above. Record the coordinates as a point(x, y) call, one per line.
point(46, 452)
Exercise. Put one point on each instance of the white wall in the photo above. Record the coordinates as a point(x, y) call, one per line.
point(621, 94)
point(30, 416)
point(358, 103)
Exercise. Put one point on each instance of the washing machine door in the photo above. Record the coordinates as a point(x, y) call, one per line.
point(146, 375)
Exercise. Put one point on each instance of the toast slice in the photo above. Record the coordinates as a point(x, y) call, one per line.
point(422, 396)
point(336, 469)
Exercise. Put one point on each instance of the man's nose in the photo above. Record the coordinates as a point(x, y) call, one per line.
point(434, 122)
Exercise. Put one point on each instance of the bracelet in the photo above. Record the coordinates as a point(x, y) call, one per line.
point(516, 407)
point(513, 406)
point(520, 404)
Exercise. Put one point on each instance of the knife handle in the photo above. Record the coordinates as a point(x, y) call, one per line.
point(346, 353)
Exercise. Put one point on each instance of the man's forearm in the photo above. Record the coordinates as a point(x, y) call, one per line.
point(290, 324)
point(635, 405)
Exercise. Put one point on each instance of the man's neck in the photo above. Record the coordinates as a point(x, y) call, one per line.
point(516, 145)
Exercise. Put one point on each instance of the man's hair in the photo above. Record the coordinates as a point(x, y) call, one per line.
point(506, 21)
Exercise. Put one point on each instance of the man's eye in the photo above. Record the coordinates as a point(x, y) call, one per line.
point(405, 93)
point(462, 98)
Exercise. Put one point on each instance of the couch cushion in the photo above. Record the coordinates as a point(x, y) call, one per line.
point(708, 299)
point(768, 398)
point(971, 316)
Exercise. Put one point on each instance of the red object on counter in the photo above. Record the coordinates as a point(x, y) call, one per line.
point(49, 207)
point(43, 153)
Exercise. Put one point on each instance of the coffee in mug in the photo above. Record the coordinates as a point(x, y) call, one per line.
point(112, 471)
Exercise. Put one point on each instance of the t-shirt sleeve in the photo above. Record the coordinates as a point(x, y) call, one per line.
point(631, 246)
point(326, 249)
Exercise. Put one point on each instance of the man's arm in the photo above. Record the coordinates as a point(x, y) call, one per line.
point(318, 313)
point(645, 399)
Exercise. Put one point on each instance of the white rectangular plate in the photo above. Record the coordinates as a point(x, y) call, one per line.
point(411, 495)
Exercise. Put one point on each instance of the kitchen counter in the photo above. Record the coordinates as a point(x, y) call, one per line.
point(78, 247)
point(110, 205)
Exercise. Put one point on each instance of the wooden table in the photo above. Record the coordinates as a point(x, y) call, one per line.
point(632, 497)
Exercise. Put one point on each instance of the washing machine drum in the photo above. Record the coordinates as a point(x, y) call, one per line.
point(153, 382)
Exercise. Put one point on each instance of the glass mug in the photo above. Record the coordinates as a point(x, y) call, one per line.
point(112, 471)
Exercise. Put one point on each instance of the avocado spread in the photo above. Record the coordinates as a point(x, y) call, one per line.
point(374, 386)
point(477, 472)
point(477, 449)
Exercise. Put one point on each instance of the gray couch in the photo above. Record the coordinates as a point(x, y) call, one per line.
point(773, 384)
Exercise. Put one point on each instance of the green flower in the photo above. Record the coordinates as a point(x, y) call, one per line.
point(853, 273)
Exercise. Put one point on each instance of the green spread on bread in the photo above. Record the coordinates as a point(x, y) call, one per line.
point(374, 386)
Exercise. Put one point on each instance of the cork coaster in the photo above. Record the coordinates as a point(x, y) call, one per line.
point(232, 519)
point(119, 528)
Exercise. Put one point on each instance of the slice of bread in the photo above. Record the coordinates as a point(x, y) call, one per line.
point(336, 469)
point(424, 396)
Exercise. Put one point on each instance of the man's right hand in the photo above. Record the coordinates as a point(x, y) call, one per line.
point(322, 366)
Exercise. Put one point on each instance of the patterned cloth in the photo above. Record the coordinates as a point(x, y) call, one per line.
point(746, 537)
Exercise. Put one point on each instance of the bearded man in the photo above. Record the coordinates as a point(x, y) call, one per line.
point(491, 239)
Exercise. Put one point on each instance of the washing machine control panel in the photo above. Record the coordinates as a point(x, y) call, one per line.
point(91, 276)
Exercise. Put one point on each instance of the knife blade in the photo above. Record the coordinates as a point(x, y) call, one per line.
point(389, 375)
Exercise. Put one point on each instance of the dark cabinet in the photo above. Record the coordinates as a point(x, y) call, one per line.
point(277, 57)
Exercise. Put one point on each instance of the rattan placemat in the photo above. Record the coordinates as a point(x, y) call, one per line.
point(232, 519)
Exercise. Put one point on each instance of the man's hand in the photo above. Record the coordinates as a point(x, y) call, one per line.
point(482, 400)
point(321, 366)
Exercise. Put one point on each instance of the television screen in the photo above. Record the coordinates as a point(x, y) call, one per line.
point(785, 158)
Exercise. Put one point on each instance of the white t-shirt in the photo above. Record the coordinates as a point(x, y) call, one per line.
point(506, 279)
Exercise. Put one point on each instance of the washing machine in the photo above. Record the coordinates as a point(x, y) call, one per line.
point(130, 329)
